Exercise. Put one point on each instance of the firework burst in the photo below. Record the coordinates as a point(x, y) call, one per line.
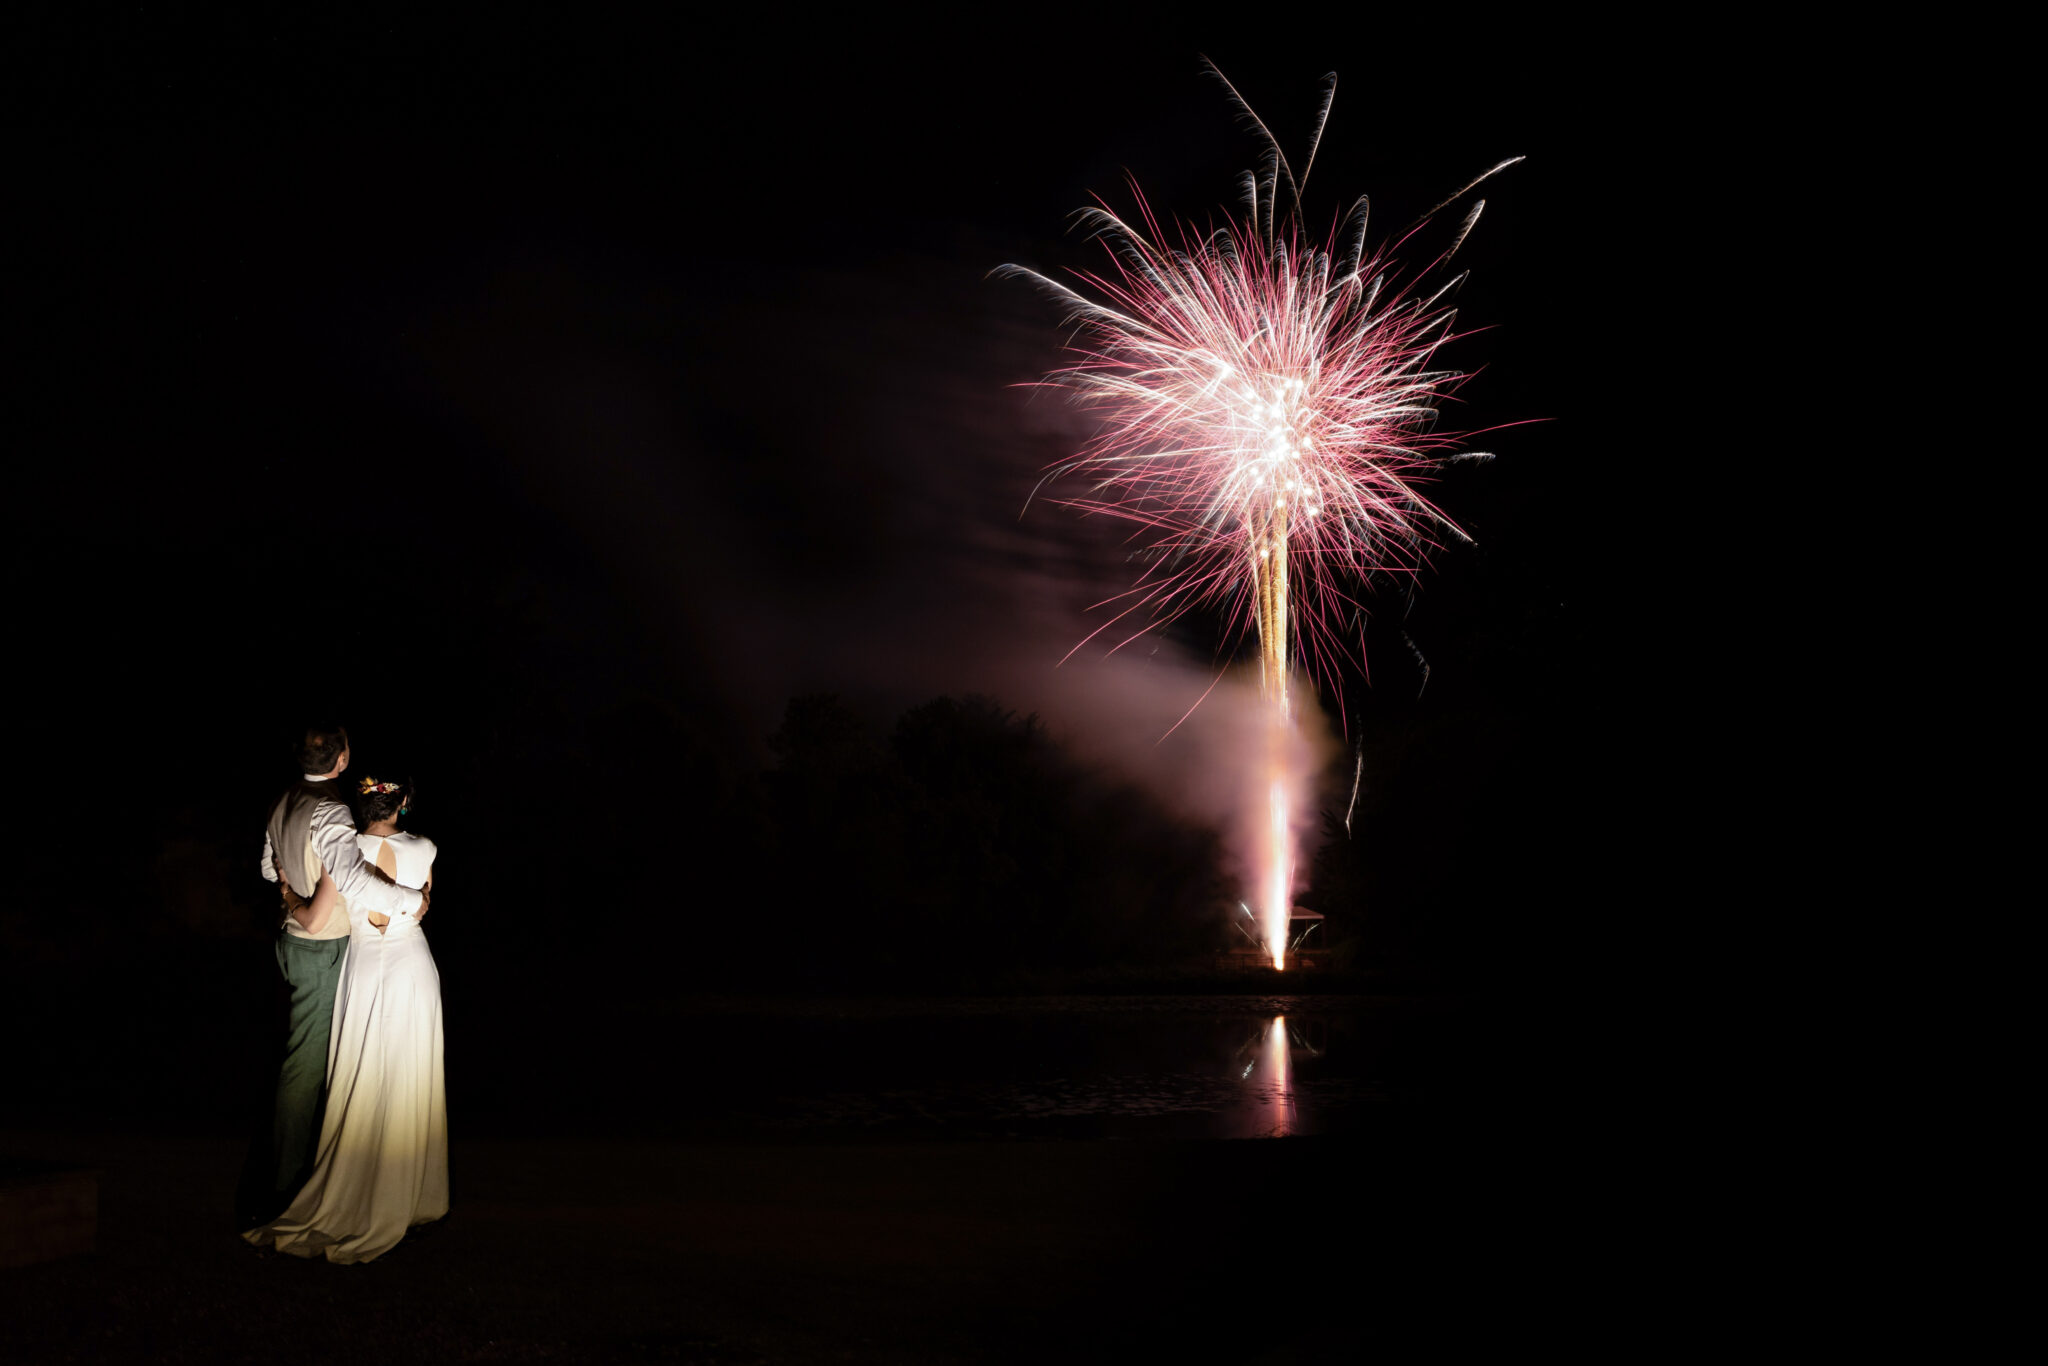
point(1269, 410)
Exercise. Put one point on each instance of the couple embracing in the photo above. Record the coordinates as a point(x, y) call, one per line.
point(358, 1149)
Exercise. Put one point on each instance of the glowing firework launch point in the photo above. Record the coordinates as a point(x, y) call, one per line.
point(1269, 409)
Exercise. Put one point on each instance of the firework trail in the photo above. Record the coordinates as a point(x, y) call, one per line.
point(1269, 409)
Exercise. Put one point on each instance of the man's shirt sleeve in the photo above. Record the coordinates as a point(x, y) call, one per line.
point(334, 840)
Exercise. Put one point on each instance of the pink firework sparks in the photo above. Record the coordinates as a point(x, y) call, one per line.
point(1269, 412)
point(1269, 408)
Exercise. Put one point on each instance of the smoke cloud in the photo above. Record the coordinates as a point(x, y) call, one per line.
point(875, 535)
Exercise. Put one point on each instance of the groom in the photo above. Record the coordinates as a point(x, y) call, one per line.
point(312, 831)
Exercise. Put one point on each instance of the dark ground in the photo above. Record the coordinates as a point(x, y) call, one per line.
point(614, 1252)
point(593, 1222)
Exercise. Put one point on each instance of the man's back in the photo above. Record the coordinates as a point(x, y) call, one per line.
point(291, 849)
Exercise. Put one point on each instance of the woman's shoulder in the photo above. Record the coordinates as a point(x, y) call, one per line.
point(418, 842)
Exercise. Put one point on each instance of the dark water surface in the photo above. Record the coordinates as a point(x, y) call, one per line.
point(981, 1069)
point(752, 1070)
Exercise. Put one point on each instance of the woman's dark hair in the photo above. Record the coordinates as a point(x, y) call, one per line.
point(321, 748)
point(375, 805)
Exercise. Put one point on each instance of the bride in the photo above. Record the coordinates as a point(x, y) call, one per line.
point(382, 1163)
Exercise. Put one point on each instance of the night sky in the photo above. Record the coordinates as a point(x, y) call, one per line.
point(551, 407)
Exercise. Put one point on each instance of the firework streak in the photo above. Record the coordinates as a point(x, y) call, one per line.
point(1269, 409)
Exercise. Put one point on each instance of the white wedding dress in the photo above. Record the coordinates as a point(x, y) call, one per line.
point(382, 1163)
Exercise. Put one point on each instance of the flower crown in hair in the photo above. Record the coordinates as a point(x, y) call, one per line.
point(372, 785)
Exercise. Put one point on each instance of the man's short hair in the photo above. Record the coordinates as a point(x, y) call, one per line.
point(322, 748)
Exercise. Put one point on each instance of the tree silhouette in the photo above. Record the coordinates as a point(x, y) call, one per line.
point(970, 848)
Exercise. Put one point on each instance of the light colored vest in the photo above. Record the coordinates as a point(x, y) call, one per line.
point(291, 849)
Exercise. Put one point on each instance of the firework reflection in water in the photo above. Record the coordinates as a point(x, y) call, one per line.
point(1269, 407)
point(1265, 1066)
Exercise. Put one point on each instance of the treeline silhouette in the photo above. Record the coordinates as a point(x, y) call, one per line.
point(629, 852)
point(964, 846)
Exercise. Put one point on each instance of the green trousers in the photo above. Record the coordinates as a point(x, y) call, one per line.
point(313, 968)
